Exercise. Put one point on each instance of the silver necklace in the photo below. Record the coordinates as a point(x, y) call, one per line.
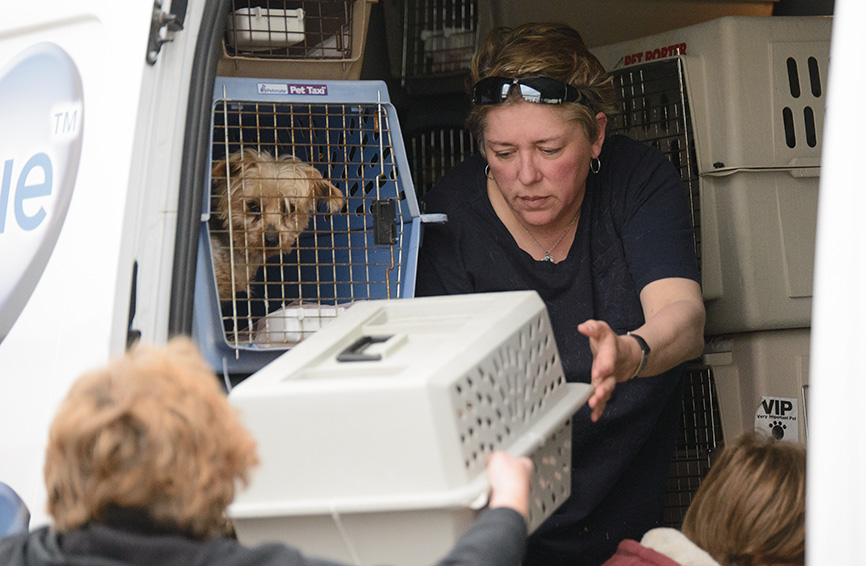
point(547, 257)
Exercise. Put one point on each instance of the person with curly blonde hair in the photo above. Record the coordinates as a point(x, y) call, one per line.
point(142, 460)
point(750, 510)
point(599, 225)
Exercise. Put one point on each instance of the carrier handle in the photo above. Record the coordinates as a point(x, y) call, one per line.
point(355, 351)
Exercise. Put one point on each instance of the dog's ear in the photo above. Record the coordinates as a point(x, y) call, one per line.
point(236, 163)
point(323, 189)
point(222, 170)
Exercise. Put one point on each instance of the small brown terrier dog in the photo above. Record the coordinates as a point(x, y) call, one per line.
point(260, 205)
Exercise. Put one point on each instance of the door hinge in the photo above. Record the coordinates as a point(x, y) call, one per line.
point(161, 23)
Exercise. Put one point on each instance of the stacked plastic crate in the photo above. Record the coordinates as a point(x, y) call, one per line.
point(737, 103)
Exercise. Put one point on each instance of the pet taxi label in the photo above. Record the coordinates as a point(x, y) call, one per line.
point(293, 89)
point(778, 416)
point(42, 117)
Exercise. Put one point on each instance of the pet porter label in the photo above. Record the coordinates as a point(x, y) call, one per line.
point(42, 113)
point(657, 53)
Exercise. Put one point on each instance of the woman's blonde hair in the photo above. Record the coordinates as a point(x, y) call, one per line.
point(152, 431)
point(750, 508)
point(551, 50)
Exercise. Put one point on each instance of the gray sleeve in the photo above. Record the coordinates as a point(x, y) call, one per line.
point(496, 538)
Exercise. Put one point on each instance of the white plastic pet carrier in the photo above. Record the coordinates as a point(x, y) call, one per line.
point(373, 434)
point(348, 132)
point(309, 39)
point(738, 105)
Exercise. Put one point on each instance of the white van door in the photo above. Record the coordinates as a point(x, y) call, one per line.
point(92, 112)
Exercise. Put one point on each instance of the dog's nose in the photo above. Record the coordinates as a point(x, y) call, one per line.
point(272, 239)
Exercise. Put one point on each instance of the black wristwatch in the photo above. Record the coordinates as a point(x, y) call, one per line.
point(645, 352)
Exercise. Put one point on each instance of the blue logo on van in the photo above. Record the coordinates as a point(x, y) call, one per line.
point(42, 112)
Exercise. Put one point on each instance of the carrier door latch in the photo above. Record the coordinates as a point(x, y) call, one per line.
point(171, 21)
point(384, 222)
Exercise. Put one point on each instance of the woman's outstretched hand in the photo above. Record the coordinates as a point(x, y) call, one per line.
point(612, 361)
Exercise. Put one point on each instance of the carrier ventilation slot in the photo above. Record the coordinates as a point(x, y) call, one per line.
point(503, 397)
point(807, 128)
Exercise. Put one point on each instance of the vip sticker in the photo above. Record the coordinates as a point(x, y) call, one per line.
point(778, 416)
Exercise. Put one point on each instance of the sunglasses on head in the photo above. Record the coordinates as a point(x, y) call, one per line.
point(541, 90)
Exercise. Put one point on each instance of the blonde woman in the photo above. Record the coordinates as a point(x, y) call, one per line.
point(749, 511)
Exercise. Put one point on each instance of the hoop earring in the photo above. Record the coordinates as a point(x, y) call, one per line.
point(487, 172)
point(595, 165)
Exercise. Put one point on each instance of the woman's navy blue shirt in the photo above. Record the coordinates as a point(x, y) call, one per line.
point(635, 228)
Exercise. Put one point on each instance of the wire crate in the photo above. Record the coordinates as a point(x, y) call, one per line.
point(654, 108)
point(436, 38)
point(316, 39)
point(343, 135)
point(699, 436)
point(373, 434)
point(737, 103)
point(433, 151)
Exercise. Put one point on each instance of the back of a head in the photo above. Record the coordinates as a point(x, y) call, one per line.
point(152, 432)
point(750, 508)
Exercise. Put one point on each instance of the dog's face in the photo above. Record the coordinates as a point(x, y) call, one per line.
point(268, 202)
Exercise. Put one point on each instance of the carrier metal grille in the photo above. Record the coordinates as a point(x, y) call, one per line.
point(341, 256)
point(433, 152)
point(439, 36)
point(290, 29)
point(700, 434)
point(654, 109)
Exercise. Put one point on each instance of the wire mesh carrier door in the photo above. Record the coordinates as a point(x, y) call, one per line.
point(374, 433)
point(310, 209)
point(290, 29)
point(654, 109)
point(436, 37)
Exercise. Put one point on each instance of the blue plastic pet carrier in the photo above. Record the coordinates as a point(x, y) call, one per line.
point(348, 131)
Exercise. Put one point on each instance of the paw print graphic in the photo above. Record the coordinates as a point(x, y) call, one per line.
point(778, 429)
